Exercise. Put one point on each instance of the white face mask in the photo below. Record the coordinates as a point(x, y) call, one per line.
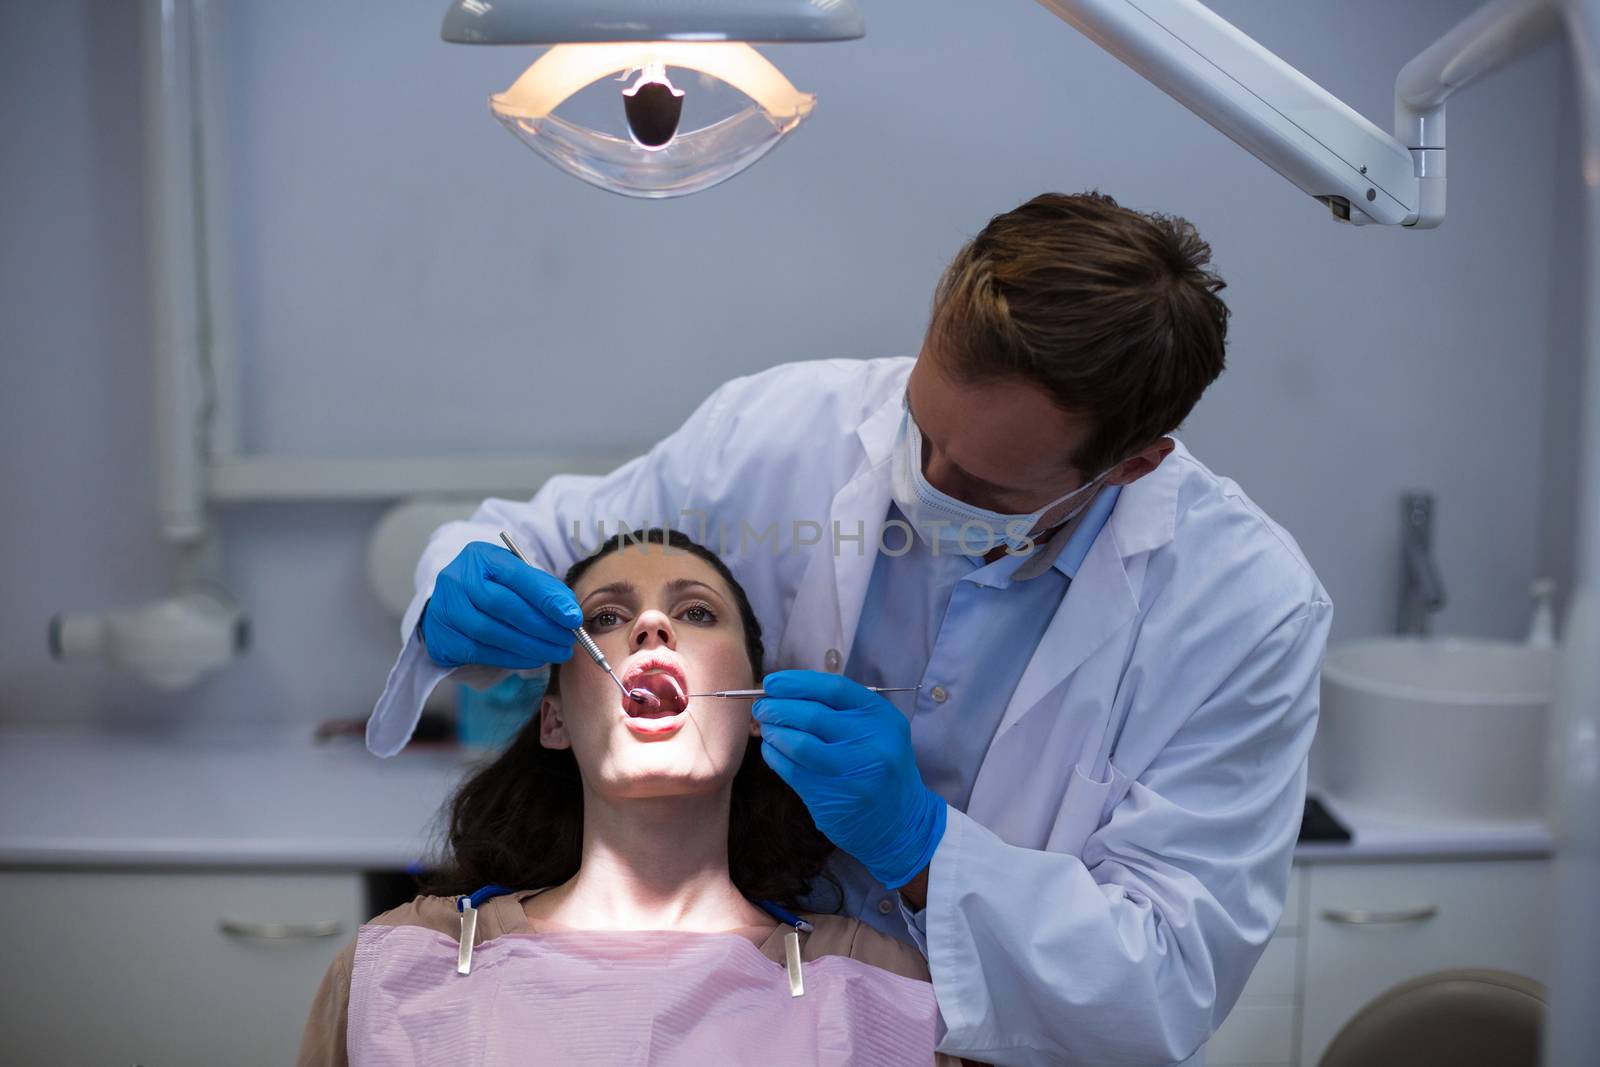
point(951, 525)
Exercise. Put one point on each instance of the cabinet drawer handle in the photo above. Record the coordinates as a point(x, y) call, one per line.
point(283, 931)
point(1356, 917)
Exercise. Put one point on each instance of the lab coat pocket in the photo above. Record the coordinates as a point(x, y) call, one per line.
point(1080, 812)
point(1086, 807)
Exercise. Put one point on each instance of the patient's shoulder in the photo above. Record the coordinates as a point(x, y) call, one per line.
point(498, 915)
point(433, 913)
point(838, 935)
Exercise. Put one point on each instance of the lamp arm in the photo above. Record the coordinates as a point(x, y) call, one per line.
point(1496, 34)
point(1295, 126)
point(1268, 108)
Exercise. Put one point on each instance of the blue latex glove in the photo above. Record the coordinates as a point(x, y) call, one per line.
point(489, 607)
point(847, 752)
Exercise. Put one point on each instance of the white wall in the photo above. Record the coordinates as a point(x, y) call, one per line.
point(1558, 475)
point(411, 279)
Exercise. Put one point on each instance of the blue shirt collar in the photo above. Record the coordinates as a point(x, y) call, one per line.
point(1077, 547)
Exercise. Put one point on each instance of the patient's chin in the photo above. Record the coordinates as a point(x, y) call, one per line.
point(681, 766)
point(650, 784)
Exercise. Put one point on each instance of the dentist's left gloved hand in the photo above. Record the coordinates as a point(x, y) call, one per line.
point(847, 752)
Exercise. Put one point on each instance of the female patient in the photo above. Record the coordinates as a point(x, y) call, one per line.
point(625, 850)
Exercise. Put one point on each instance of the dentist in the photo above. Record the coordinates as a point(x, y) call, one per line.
point(1085, 817)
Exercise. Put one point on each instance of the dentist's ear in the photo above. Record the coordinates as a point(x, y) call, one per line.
point(552, 729)
point(1141, 463)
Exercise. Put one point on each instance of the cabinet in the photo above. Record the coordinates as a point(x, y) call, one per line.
point(1260, 1031)
point(1373, 926)
point(1350, 931)
point(168, 967)
point(162, 967)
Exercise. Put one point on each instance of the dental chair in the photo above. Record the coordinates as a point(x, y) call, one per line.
point(1462, 1018)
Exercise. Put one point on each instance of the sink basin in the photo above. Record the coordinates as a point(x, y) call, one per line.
point(1449, 729)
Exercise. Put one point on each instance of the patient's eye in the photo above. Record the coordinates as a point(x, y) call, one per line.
point(604, 619)
point(700, 613)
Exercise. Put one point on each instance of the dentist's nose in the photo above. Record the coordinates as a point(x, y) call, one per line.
point(653, 629)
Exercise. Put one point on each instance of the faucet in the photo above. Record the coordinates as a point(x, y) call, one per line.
point(1421, 590)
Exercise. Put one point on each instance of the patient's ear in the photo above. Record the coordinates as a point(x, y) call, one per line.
point(552, 728)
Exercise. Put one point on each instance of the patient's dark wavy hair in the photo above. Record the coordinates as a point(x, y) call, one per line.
point(518, 821)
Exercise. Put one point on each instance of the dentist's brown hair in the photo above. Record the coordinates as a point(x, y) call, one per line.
point(1114, 313)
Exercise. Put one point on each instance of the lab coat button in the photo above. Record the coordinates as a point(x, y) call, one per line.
point(832, 660)
point(885, 906)
point(940, 694)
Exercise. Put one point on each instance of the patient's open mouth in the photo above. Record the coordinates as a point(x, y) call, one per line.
point(664, 681)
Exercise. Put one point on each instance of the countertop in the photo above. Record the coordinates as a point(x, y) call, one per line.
point(283, 801)
point(1377, 837)
point(277, 801)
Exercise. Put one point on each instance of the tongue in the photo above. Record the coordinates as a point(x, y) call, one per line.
point(665, 689)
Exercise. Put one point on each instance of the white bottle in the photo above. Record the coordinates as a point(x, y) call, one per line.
point(1542, 626)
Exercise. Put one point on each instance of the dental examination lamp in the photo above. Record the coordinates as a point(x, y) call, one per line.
point(643, 42)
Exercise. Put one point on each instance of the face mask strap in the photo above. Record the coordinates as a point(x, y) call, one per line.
point(1069, 516)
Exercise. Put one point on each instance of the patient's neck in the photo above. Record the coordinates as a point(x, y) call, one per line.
point(652, 864)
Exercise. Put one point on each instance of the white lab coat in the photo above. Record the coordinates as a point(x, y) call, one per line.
point(1125, 854)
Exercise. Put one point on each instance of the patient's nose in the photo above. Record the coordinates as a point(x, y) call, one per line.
point(653, 629)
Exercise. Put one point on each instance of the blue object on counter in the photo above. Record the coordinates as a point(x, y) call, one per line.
point(491, 717)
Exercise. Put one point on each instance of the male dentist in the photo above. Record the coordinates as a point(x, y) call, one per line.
point(1085, 816)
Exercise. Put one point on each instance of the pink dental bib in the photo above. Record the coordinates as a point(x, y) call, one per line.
point(656, 997)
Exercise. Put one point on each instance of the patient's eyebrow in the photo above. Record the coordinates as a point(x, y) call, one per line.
point(616, 589)
point(624, 590)
point(679, 585)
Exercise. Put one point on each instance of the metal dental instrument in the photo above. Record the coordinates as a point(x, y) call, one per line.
point(638, 695)
point(756, 694)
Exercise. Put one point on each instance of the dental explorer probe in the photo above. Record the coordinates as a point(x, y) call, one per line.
point(638, 694)
point(757, 694)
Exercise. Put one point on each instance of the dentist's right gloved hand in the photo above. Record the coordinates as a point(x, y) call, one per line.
point(847, 752)
point(490, 608)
